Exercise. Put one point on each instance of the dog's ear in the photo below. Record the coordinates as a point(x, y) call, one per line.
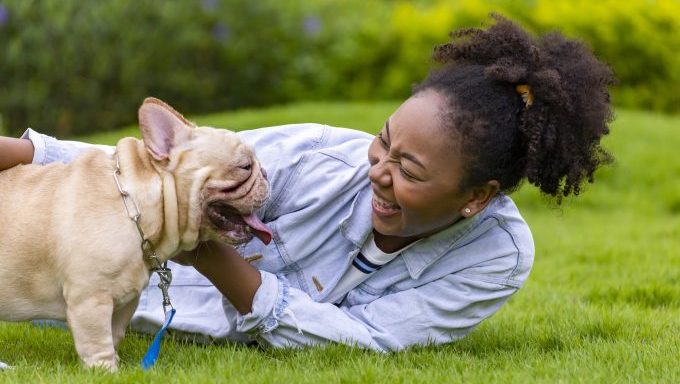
point(161, 126)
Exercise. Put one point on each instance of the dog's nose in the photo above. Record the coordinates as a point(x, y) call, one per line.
point(264, 173)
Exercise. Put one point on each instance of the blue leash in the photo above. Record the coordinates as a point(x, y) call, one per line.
point(152, 354)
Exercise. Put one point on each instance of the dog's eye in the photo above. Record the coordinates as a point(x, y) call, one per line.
point(246, 167)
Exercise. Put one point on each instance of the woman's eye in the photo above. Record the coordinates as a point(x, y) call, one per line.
point(382, 141)
point(406, 174)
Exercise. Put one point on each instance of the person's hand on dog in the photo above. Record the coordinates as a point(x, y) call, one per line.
point(187, 258)
point(203, 254)
point(233, 276)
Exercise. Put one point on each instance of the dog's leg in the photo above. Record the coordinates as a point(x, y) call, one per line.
point(89, 317)
point(121, 319)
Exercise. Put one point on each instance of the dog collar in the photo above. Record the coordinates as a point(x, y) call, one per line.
point(149, 254)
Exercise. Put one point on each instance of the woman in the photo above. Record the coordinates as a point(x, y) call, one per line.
point(418, 244)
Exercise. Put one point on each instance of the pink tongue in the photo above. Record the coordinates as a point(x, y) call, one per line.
point(261, 230)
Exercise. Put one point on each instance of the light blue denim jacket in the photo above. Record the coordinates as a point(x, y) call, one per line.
point(320, 213)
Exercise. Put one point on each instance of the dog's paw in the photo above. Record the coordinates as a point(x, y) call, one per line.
point(103, 364)
point(5, 366)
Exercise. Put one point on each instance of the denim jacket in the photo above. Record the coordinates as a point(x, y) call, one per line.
point(320, 213)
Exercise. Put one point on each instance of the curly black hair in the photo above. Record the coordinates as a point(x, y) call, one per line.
point(554, 143)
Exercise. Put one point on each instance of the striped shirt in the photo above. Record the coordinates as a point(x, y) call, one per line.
point(369, 259)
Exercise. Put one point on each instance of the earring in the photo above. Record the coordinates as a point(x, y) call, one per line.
point(467, 211)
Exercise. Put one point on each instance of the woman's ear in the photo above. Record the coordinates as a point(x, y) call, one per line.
point(481, 196)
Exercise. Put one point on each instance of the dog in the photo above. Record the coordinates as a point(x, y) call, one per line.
point(69, 249)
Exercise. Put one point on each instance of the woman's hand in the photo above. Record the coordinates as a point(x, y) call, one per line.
point(204, 254)
point(187, 258)
point(14, 152)
point(237, 280)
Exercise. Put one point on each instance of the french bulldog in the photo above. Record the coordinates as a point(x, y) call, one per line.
point(69, 249)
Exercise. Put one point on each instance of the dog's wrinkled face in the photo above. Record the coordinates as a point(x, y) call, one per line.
point(220, 174)
point(233, 191)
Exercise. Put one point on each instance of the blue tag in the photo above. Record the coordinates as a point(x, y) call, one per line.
point(152, 354)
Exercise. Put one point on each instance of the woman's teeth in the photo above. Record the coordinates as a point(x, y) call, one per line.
point(383, 207)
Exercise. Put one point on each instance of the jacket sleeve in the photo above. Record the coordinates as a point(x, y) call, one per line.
point(47, 149)
point(441, 311)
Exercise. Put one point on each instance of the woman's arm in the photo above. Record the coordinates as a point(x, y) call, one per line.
point(438, 312)
point(15, 151)
point(47, 149)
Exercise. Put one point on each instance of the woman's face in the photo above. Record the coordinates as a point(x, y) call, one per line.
point(416, 171)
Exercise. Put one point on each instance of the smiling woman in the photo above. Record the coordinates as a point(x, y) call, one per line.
point(413, 165)
point(417, 242)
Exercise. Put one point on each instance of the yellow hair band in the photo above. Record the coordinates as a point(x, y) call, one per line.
point(525, 91)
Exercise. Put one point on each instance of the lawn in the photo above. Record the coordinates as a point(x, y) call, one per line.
point(602, 303)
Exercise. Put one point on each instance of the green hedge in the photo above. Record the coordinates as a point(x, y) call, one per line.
point(70, 67)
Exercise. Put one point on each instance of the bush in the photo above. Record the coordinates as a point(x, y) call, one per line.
point(639, 39)
point(71, 67)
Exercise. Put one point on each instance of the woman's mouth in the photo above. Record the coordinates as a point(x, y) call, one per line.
point(384, 208)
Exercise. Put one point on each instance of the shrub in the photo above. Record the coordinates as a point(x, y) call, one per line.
point(71, 67)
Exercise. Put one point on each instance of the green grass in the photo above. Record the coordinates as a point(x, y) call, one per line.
point(602, 303)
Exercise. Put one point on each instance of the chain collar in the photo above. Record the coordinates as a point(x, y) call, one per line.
point(148, 249)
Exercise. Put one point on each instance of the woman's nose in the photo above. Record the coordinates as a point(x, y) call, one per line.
point(379, 174)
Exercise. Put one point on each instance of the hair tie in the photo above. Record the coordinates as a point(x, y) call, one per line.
point(525, 91)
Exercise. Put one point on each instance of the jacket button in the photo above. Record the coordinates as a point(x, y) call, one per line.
point(317, 284)
point(252, 258)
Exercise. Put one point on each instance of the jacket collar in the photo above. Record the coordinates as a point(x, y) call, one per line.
point(357, 226)
point(428, 250)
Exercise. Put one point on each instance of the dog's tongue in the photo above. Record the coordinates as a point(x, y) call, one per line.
point(259, 228)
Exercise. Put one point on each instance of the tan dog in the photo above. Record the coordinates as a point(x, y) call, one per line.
point(68, 249)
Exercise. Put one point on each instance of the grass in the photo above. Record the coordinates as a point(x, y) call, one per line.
point(602, 303)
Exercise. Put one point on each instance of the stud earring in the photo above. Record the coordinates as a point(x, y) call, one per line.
point(467, 211)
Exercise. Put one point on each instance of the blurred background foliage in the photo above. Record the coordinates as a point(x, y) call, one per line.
point(71, 67)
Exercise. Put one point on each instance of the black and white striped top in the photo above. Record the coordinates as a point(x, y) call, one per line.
point(369, 259)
